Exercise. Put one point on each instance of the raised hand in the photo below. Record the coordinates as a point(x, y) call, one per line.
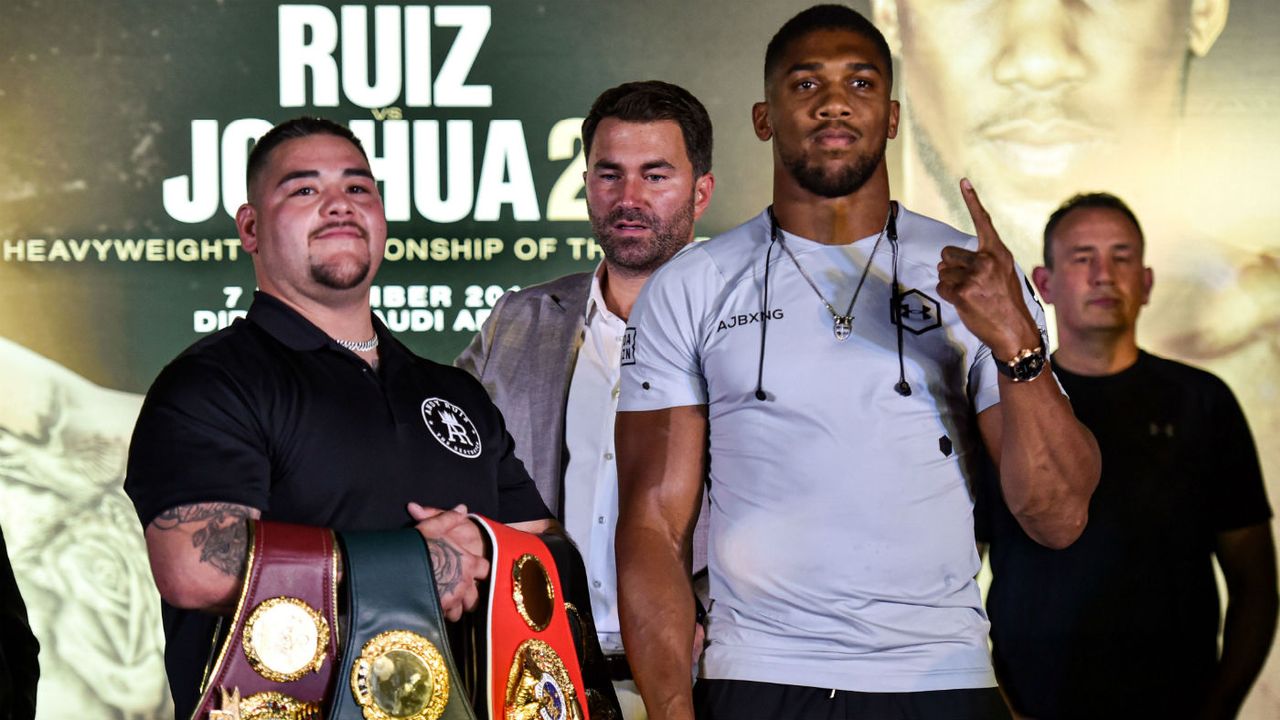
point(984, 287)
point(457, 556)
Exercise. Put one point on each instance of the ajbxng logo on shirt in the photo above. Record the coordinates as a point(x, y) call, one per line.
point(744, 319)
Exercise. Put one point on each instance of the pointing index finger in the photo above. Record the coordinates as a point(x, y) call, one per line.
point(988, 238)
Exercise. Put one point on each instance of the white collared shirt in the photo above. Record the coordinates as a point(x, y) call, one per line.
point(591, 478)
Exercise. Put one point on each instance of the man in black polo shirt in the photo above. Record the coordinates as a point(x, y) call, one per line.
point(310, 412)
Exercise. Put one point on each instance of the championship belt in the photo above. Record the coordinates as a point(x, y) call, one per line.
point(277, 661)
point(602, 701)
point(396, 662)
point(532, 668)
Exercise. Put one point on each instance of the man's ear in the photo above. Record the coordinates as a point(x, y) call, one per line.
point(1148, 280)
point(1040, 275)
point(703, 187)
point(760, 120)
point(894, 110)
point(884, 14)
point(247, 226)
point(1208, 18)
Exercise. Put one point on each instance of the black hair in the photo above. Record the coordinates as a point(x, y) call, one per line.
point(298, 127)
point(825, 17)
point(1101, 200)
point(651, 101)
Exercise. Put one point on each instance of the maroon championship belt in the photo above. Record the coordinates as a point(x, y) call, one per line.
point(532, 670)
point(277, 661)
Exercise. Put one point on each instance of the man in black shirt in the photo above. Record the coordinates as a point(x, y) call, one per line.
point(1124, 622)
point(310, 412)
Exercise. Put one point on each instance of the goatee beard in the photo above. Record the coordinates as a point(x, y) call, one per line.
point(843, 182)
point(340, 276)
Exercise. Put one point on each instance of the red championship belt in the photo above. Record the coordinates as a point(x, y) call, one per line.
point(277, 662)
point(533, 671)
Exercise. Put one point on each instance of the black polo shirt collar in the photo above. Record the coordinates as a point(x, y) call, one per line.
point(288, 326)
point(285, 324)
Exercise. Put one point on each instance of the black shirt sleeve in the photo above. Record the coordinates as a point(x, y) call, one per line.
point(1239, 493)
point(518, 496)
point(196, 440)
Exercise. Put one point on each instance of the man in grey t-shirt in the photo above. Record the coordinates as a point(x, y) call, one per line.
point(844, 385)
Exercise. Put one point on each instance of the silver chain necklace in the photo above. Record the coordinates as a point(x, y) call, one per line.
point(841, 325)
point(359, 345)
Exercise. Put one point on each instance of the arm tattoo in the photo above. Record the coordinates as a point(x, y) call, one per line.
point(446, 565)
point(223, 541)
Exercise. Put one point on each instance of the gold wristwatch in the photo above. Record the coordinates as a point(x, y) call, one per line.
point(1025, 366)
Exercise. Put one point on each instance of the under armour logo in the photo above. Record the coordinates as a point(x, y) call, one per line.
point(923, 312)
point(916, 312)
point(1157, 429)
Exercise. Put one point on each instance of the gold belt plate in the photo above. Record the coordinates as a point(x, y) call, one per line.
point(285, 638)
point(400, 675)
point(264, 706)
point(538, 686)
point(532, 591)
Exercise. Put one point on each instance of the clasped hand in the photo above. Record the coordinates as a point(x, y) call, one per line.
point(457, 556)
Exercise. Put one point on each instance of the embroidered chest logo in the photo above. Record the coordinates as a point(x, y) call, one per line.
point(917, 312)
point(451, 426)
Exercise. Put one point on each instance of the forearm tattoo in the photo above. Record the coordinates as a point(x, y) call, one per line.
point(446, 565)
point(223, 541)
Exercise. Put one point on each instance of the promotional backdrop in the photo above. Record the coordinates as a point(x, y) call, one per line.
point(124, 128)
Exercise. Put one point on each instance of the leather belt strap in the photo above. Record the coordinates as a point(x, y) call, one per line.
point(532, 671)
point(396, 663)
point(277, 661)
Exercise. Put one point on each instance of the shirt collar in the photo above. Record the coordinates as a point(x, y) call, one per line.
point(298, 333)
point(285, 324)
point(595, 301)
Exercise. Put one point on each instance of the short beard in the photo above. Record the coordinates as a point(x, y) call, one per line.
point(337, 274)
point(843, 182)
point(642, 257)
point(340, 275)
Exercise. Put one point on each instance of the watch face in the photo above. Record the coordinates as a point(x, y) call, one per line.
point(1029, 367)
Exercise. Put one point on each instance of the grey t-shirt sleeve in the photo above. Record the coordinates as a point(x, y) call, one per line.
point(661, 350)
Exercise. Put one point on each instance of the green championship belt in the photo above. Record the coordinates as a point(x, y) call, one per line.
point(396, 663)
